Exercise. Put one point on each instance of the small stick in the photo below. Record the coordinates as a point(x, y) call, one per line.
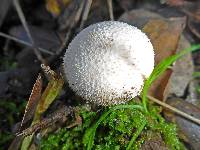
point(79, 11)
point(25, 25)
point(46, 122)
point(24, 43)
point(85, 13)
point(110, 8)
point(185, 115)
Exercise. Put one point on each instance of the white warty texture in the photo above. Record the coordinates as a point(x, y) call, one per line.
point(107, 62)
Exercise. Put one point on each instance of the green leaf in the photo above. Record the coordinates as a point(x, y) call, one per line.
point(27, 142)
point(51, 92)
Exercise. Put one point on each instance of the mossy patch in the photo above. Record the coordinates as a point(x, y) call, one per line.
point(116, 131)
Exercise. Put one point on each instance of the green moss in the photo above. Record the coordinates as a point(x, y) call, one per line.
point(115, 132)
point(10, 113)
point(65, 139)
point(167, 130)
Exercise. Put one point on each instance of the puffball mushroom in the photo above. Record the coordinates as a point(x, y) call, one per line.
point(107, 62)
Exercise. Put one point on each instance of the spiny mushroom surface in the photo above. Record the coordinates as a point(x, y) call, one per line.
point(107, 63)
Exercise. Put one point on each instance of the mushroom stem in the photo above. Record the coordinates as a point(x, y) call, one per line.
point(181, 113)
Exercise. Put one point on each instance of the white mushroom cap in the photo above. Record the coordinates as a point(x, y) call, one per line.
point(107, 62)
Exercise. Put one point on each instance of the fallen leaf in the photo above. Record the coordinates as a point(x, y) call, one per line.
point(29, 111)
point(139, 17)
point(48, 96)
point(164, 35)
point(32, 102)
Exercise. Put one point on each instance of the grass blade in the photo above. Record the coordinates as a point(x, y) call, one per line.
point(160, 68)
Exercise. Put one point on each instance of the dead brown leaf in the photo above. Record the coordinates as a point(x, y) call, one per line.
point(48, 96)
point(164, 35)
point(29, 111)
point(32, 102)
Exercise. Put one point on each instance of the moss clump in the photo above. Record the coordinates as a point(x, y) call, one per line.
point(116, 131)
point(65, 139)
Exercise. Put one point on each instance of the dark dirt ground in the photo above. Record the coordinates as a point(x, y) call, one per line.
point(34, 32)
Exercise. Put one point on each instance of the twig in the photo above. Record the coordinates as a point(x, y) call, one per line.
point(110, 8)
point(79, 11)
point(85, 13)
point(185, 115)
point(24, 23)
point(22, 18)
point(56, 116)
point(24, 43)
